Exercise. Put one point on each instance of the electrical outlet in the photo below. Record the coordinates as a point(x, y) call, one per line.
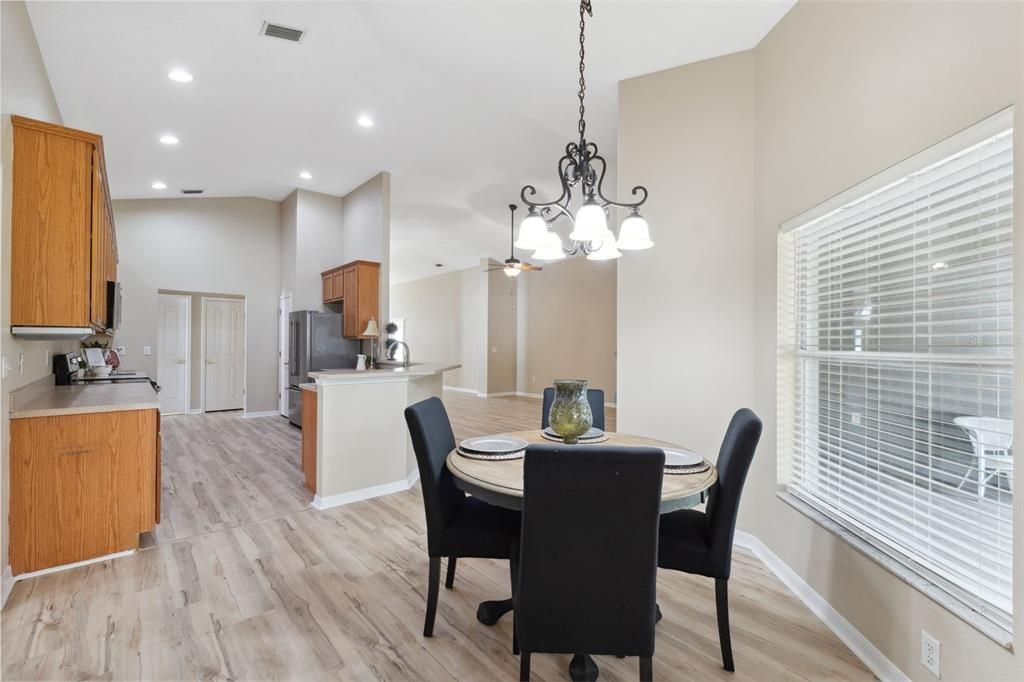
point(5, 367)
point(21, 363)
point(931, 653)
point(46, 363)
point(121, 351)
point(147, 350)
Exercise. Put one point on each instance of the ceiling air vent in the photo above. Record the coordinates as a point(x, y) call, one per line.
point(283, 32)
point(192, 191)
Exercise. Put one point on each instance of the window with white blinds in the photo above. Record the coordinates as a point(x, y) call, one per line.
point(896, 351)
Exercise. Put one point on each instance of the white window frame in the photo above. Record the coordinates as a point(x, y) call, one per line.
point(792, 368)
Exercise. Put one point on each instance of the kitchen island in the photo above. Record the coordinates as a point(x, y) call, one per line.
point(362, 442)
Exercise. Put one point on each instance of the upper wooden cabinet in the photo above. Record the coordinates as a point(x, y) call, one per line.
point(63, 248)
point(356, 286)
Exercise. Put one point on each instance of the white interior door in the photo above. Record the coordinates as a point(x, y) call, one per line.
point(224, 354)
point(282, 353)
point(173, 343)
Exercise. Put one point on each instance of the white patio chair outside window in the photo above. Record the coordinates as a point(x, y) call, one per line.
point(992, 439)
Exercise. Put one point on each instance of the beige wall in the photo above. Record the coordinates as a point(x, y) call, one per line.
point(567, 324)
point(445, 321)
point(515, 334)
point(322, 231)
point(502, 292)
point(318, 245)
point(25, 91)
point(843, 90)
point(289, 242)
point(686, 307)
point(366, 214)
point(230, 246)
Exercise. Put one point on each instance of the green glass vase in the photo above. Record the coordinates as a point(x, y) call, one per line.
point(570, 416)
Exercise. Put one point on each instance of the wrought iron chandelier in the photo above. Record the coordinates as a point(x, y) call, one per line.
point(582, 168)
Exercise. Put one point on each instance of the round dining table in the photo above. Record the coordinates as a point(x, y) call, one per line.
point(500, 482)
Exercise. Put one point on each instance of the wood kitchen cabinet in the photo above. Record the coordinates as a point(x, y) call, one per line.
point(63, 248)
point(82, 486)
point(356, 286)
point(309, 439)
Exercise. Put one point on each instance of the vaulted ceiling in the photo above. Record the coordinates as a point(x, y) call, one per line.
point(470, 100)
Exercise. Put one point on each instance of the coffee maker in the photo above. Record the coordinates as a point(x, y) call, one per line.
point(66, 367)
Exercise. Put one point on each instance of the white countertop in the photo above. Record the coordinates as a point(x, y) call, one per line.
point(49, 401)
point(416, 369)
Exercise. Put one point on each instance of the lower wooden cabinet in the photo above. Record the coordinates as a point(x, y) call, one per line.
point(309, 439)
point(82, 486)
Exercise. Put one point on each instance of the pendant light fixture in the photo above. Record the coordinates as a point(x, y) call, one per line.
point(582, 169)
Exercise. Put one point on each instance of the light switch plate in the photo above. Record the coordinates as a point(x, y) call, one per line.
point(147, 350)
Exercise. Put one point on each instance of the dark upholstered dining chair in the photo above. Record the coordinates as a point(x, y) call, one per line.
point(457, 525)
point(595, 396)
point(588, 553)
point(700, 542)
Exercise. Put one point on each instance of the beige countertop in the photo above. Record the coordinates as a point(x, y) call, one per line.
point(307, 387)
point(347, 376)
point(50, 400)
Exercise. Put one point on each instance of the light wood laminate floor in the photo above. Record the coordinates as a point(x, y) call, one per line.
point(246, 581)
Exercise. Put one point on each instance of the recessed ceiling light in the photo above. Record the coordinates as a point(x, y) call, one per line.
point(365, 121)
point(306, 175)
point(168, 139)
point(159, 185)
point(180, 76)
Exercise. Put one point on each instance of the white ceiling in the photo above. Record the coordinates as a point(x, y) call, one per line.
point(471, 99)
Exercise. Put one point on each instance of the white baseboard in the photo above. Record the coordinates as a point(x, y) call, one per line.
point(265, 413)
point(523, 394)
point(366, 493)
point(77, 564)
point(502, 394)
point(7, 582)
point(868, 653)
point(197, 410)
point(460, 389)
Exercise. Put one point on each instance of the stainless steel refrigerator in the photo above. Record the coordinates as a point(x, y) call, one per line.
point(314, 343)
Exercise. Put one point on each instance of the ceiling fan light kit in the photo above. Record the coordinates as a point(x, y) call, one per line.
point(582, 168)
point(512, 265)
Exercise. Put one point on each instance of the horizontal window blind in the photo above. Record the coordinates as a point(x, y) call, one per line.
point(896, 351)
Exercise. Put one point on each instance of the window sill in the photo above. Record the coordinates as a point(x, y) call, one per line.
point(996, 633)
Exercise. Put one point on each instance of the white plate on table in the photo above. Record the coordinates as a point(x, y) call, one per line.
point(682, 459)
point(493, 445)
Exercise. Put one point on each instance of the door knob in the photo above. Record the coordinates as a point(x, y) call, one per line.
point(211, 362)
point(179, 361)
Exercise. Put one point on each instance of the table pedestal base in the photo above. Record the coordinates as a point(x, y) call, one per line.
point(583, 668)
point(490, 612)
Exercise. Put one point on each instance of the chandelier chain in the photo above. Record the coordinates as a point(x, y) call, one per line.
point(585, 8)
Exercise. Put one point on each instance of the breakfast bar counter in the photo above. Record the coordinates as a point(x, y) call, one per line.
point(362, 443)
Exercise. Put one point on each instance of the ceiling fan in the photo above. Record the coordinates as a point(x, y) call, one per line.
point(513, 266)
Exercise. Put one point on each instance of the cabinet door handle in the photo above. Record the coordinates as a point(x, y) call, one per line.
point(74, 452)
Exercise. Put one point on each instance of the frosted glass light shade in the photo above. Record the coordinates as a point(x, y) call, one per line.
point(607, 250)
point(634, 234)
point(532, 232)
point(552, 249)
point(511, 271)
point(591, 223)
